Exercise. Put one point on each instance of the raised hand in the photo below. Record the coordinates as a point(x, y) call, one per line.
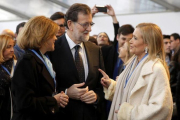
point(105, 80)
point(94, 10)
point(110, 10)
point(75, 92)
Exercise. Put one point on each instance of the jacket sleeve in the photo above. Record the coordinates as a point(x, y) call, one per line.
point(25, 90)
point(109, 93)
point(159, 105)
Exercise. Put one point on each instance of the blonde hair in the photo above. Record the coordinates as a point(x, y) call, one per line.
point(152, 36)
point(4, 41)
point(36, 32)
point(128, 53)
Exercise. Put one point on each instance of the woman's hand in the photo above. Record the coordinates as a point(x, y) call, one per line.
point(62, 99)
point(105, 81)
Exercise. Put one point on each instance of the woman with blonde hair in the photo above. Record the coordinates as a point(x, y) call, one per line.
point(34, 85)
point(142, 91)
point(7, 65)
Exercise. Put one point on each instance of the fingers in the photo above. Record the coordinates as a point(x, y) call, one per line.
point(79, 85)
point(102, 72)
point(89, 97)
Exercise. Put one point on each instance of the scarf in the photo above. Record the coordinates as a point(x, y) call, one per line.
point(130, 76)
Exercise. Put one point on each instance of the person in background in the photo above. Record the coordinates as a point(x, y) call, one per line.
point(125, 55)
point(17, 50)
point(175, 42)
point(58, 17)
point(8, 32)
point(167, 48)
point(103, 39)
point(34, 84)
point(175, 76)
point(142, 90)
point(76, 62)
point(7, 65)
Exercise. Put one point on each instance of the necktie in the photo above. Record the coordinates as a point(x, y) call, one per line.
point(79, 64)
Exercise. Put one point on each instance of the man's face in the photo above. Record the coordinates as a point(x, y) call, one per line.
point(174, 43)
point(61, 29)
point(81, 28)
point(123, 38)
point(167, 45)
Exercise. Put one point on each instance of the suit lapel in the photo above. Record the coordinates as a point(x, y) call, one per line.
point(89, 58)
point(66, 55)
point(44, 71)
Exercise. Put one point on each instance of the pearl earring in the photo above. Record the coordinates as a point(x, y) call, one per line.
point(146, 50)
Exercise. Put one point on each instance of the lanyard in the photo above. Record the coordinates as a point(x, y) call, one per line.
point(45, 65)
point(13, 66)
point(129, 76)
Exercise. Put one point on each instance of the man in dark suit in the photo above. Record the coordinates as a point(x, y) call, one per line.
point(80, 82)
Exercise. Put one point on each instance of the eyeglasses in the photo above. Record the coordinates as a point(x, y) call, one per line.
point(86, 25)
point(61, 25)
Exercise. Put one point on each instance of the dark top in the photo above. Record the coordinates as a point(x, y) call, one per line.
point(32, 89)
point(5, 83)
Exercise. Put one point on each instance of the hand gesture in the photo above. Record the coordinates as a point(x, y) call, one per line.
point(94, 10)
point(105, 80)
point(62, 99)
point(75, 92)
point(110, 10)
point(89, 97)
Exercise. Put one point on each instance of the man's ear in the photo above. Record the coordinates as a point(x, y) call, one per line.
point(70, 25)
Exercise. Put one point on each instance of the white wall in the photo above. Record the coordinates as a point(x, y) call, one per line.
point(168, 22)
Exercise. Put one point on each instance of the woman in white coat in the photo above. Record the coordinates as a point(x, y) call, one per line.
point(142, 90)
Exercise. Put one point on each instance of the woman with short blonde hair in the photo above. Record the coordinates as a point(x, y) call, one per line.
point(142, 91)
point(7, 65)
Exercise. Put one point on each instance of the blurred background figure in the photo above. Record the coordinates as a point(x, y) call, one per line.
point(103, 39)
point(8, 32)
point(34, 85)
point(125, 55)
point(58, 18)
point(7, 65)
point(167, 48)
point(175, 42)
point(17, 50)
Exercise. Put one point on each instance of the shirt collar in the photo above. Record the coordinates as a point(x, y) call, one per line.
point(71, 43)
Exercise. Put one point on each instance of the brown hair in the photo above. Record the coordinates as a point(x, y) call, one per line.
point(36, 32)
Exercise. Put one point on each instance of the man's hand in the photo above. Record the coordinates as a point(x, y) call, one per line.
point(94, 10)
point(62, 99)
point(89, 97)
point(75, 92)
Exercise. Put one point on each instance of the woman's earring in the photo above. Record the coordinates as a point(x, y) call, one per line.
point(146, 50)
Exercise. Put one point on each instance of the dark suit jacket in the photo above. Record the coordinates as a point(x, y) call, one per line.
point(67, 75)
point(110, 54)
point(32, 88)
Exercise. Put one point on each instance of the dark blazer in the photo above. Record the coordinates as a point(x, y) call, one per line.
point(32, 89)
point(67, 75)
point(110, 54)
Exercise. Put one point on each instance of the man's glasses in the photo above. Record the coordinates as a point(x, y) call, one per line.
point(86, 25)
point(61, 25)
